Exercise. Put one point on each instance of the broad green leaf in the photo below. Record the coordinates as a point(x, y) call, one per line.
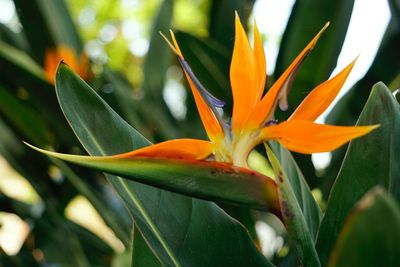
point(201, 179)
point(292, 216)
point(371, 233)
point(369, 161)
point(126, 103)
point(142, 254)
point(311, 211)
point(170, 223)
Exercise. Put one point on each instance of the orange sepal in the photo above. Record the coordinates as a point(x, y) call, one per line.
point(210, 122)
point(319, 99)
point(243, 77)
point(261, 63)
point(279, 90)
point(189, 149)
point(307, 137)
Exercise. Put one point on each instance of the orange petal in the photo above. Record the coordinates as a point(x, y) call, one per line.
point(278, 92)
point(54, 56)
point(210, 122)
point(321, 97)
point(192, 149)
point(68, 56)
point(307, 137)
point(50, 65)
point(261, 64)
point(243, 72)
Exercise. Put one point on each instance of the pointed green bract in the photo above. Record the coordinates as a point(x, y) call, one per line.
point(166, 220)
point(371, 233)
point(202, 179)
point(369, 161)
point(310, 209)
point(293, 217)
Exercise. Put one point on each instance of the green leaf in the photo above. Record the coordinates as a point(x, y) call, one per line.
point(36, 90)
point(157, 58)
point(292, 216)
point(154, 68)
point(371, 233)
point(60, 24)
point(309, 207)
point(369, 161)
point(15, 39)
point(23, 117)
point(21, 59)
point(37, 34)
point(178, 229)
point(112, 216)
point(53, 26)
point(142, 254)
point(222, 17)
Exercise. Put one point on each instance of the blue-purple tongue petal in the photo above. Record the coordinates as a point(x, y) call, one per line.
point(208, 97)
point(211, 100)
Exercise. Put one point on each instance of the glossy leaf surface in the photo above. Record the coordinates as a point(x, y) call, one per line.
point(369, 161)
point(371, 233)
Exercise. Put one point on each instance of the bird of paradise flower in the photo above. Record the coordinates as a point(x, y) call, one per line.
point(252, 119)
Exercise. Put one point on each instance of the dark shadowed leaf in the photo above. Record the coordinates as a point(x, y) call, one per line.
point(222, 16)
point(371, 233)
point(370, 160)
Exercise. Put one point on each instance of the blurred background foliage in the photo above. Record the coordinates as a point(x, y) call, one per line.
point(54, 213)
